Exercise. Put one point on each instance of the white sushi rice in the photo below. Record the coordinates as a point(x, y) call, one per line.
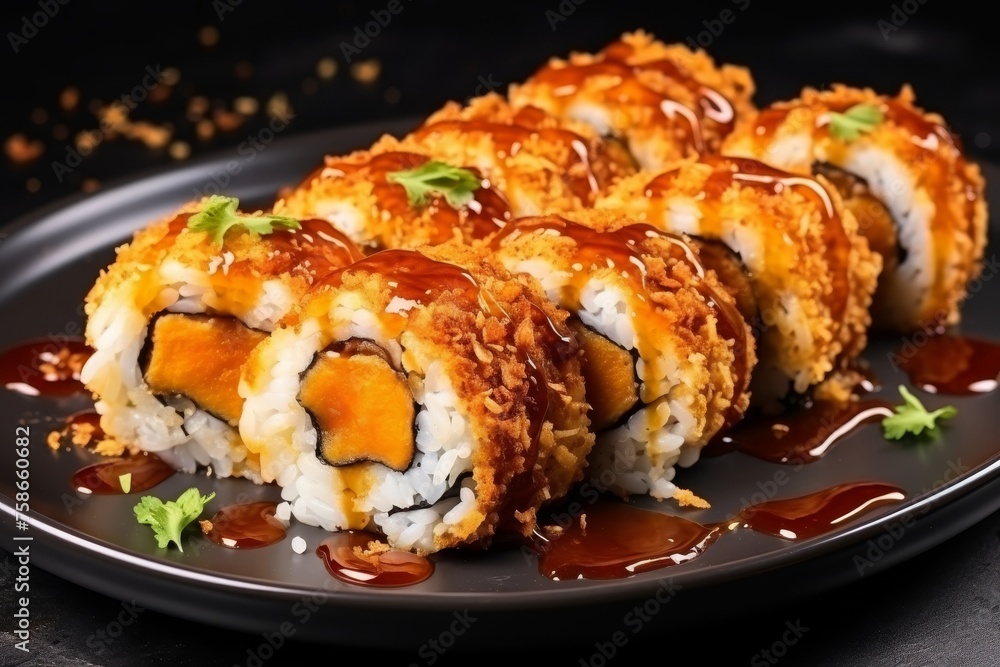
point(409, 507)
point(174, 428)
point(639, 456)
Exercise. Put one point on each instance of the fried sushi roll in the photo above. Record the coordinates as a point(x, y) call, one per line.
point(664, 101)
point(395, 196)
point(176, 315)
point(904, 176)
point(812, 274)
point(435, 403)
point(460, 176)
point(667, 355)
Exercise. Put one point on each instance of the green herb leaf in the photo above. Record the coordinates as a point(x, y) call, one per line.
point(456, 184)
point(860, 118)
point(125, 481)
point(912, 417)
point(219, 214)
point(170, 518)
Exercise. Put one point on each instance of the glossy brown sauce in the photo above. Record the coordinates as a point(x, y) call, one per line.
point(801, 435)
point(45, 367)
point(345, 559)
point(318, 245)
point(147, 471)
point(487, 212)
point(625, 248)
point(509, 138)
point(952, 364)
point(246, 526)
point(82, 428)
point(612, 540)
point(818, 513)
point(747, 173)
point(566, 79)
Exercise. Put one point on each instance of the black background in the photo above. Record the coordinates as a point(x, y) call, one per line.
point(942, 607)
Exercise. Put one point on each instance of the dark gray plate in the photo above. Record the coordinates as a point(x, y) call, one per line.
point(48, 262)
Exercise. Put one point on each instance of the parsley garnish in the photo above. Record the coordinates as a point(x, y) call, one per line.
point(456, 184)
point(912, 417)
point(169, 518)
point(219, 214)
point(860, 118)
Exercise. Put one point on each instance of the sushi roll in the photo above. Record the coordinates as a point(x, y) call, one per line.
point(460, 176)
point(174, 318)
point(664, 101)
point(917, 199)
point(667, 355)
point(395, 196)
point(812, 274)
point(424, 395)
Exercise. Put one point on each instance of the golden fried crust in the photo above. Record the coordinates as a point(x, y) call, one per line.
point(667, 100)
point(354, 193)
point(921, 150)
point(800, 245)
point(541, 162)
point(530, 427)
point(235, 271)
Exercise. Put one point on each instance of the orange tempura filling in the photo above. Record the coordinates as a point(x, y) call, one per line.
point(363, 407)
point(200, 357)
point(609, 372)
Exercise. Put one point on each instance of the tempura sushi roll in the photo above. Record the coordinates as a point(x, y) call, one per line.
point(667, 355)
point(812, 274)
point(541, 162)
point(395, 196)
point(175, 316)
point(903, 174)
point(664, 101)
point(432, 402)
point(460, 176)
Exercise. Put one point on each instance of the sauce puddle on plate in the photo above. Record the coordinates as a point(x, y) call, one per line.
point(360, 557)
point(801, 435)
point(45, 367)
point(147, 470)
point(951, 364)
point(612, 540)
point(245, 526)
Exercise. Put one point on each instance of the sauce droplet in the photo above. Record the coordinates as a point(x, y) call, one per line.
point(818, 513)
point(246, 526)
point(614, 540)
point(348, 556)
point(951, 364)
point(147, 471)
point(801, 435)
point(44, 367)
